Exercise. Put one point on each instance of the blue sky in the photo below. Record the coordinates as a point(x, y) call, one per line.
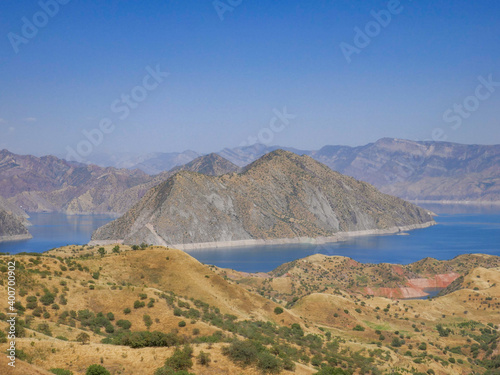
point(230, 72)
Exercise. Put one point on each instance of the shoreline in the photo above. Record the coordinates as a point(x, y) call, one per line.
point(16, 237)
point(465, 202)
point(342, 236)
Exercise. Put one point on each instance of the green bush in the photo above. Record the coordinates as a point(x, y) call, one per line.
point(182, 323)
point(278, 310)
point(97, 370)
point(181, 359)
point(138, 304)
point(48, 298)
point(268, 363)
point(125, 324)
point(242, 352)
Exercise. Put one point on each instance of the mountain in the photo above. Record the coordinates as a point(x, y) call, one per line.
point(279, 196)
point(12, 223)
point(211, 165)
point(242, 156)
point(52, 184)
point(429, 171)
point(411, 170)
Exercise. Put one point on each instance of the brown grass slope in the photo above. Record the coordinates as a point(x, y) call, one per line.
point(356, 324)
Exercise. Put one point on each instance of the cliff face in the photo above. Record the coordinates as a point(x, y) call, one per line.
point(12, 223)
point(281, 195)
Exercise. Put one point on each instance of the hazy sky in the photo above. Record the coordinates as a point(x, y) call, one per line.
point(347, 72)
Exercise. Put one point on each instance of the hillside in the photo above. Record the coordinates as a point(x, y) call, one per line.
point(137, 307)
point(328, 274)
point(280, 196)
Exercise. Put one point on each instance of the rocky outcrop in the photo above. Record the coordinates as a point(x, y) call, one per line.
point(279, 196)
point(12, 223)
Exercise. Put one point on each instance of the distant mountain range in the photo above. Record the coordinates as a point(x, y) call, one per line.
point(425, 171)
point(49, 184)
point(418, 171)
point(279, 196)
point(436, 171)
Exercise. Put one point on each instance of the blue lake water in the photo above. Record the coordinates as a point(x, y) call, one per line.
point(50, 230)
point(460, 230)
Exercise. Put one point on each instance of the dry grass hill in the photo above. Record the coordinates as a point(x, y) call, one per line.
point(148, 307)
point(328, 274)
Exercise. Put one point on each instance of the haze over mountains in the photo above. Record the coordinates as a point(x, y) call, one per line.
point(279, 196)
point(418, 171)
point(436, 171)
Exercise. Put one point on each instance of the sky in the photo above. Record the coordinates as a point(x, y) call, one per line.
point(81, 77)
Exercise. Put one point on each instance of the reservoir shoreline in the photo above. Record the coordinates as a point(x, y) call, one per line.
point(343, 236)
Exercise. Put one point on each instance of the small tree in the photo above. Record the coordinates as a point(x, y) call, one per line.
point(102, 251)
point(116, 249)
point(278, 310)
point(83, 338)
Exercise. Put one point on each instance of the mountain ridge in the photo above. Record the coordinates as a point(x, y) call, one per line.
point(279, 196)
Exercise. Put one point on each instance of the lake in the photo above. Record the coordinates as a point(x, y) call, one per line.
point(50, 230)
point(461, 229)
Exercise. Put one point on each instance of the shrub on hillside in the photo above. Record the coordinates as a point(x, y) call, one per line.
point(278, 310)
point(97, 370)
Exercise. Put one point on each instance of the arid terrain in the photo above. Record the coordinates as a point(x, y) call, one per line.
point(136, 307)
